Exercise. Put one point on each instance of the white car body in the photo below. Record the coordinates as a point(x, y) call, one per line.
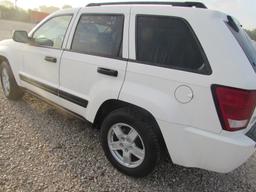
point(191, 130)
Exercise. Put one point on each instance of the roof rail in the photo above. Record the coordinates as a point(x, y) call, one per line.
point(179, 4)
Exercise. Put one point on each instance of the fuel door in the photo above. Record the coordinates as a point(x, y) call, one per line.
point(183, 94)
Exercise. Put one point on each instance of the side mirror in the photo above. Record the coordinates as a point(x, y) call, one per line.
point(20, 36)
point(44, 42)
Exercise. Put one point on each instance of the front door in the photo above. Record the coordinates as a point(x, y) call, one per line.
point(40, 69)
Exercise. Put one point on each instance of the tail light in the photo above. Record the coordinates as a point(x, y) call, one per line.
point(234, 106)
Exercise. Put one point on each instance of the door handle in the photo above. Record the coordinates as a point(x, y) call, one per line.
point(50, 59)
point(106, 71)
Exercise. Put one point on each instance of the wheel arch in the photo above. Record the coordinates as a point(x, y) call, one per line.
point(110, 105)
point(14, 69)
point(3, 58)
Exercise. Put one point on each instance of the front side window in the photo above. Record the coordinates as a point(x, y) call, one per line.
point(52, 32)
point(99, 35)
point(168, 42)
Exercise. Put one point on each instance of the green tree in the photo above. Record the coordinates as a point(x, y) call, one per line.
point(12, 13)
point(252, 34)
point(7, 3)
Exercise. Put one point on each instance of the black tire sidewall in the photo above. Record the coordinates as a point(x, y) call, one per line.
point(4, 66)
point(145, 132)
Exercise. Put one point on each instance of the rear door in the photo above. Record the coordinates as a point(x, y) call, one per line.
point(94, 62)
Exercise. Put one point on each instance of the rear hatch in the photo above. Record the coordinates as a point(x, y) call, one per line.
point(243, 39)
point(249, 49)
point(236, 107)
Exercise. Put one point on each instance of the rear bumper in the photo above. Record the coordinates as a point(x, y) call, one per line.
point(193, 147)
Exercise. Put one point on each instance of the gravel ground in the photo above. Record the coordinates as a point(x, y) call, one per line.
point(45, 149)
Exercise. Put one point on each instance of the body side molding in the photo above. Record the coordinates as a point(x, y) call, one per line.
point(72, 98)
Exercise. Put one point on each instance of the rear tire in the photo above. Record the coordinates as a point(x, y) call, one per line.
point(129, 142)
point(10, 88)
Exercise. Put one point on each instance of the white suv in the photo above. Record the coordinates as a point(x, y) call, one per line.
point(152, 76)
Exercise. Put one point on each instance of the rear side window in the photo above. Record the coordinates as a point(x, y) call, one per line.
point(169, 42)
point(244, 40)
point(99, 35)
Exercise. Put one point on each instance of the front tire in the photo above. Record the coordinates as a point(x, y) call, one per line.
point(10, 88)
point(129, 142)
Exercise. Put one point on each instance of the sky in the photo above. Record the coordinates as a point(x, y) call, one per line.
point(243, 10)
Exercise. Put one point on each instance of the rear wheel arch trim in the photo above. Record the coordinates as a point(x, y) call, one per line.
point(113, 104)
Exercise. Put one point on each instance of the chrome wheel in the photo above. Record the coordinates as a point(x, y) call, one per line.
point(126, 145)
point(6, 82)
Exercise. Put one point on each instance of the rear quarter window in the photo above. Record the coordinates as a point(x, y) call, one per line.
point(169, 42)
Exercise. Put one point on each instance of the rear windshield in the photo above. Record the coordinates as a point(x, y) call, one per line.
point(244, 40)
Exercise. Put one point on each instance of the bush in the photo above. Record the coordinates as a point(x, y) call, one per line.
point(252, 34)
point(12, 13)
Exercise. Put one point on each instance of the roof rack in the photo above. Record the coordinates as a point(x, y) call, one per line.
point(179, 4)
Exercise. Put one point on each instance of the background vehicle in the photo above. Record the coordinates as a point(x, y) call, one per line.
point(149, 76)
